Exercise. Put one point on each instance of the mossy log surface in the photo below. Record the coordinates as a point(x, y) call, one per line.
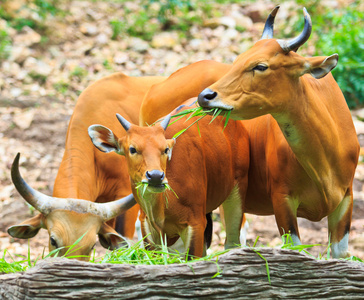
point(242, 275)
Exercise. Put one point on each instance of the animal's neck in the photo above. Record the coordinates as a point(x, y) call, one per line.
point(154, 207)
point(314, 138)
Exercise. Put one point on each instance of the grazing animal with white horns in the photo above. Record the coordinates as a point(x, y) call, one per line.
point(304, 148)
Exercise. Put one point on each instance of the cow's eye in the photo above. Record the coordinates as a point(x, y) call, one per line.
point(166, 150)
point(53, 242)
point(132, 150)
point(260, 67)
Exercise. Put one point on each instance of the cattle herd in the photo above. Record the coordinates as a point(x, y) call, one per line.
point(290, 151)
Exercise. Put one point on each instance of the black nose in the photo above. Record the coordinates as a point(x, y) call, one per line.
point(205, 96)
point(155, 177)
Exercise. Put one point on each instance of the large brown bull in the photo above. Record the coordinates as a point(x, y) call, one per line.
point(304, 149)
point(86, 174)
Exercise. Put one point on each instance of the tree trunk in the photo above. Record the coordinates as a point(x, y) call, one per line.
point(240, 273)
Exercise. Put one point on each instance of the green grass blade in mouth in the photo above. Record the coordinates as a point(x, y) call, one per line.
point(141, 187)
point(227, 117)
point(170, 189)
point(217, 112)
point(183, 130)
point(198, 129)
point(198, 111)
point(176, 135)
point(174, 121)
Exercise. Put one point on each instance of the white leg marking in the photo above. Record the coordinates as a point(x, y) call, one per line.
point(296, 241)
point(179, 247)
point(244, 233)
point(340, 249)
point(233, 214)
point(186, 237)
point(138, 228)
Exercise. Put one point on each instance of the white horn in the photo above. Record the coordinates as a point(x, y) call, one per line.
point(46, 204)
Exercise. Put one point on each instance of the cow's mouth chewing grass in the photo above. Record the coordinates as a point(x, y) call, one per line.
point(201, 113)
point(141, 188)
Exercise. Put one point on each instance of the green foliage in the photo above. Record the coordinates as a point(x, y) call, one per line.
point(40, 8)
point(36, 12)
point(177, 14)
point(78, 73)
point(346, 39)
point(61, 86)
point(142, 25)
point(46, 7)
point(117, 27)
point(156, 16)
point(341, 31)
point(5, 44)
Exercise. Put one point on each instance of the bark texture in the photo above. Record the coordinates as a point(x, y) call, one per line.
point(242, 275)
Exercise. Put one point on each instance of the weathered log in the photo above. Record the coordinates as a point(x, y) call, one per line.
point(242, 272)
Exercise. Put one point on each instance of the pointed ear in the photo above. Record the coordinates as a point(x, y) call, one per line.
point(104, 139)
point(320, 66)
point(27, 229)
point(110, 239)
point(170, 143)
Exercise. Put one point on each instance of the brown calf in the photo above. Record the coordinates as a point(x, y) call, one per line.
point(204, 173)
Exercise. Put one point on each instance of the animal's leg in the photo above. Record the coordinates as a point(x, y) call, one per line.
point(244, 231)
point(179, 247)
point(339, 226)
point(285, 212)
point(233, 215)
point(138, 228)
point(125, 223)
point(193, 238)
point(150, 236)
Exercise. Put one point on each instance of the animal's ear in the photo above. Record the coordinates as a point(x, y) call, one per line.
point(104, 139)
point(171, 143)
point(27, 229)
point(110, 239)
point(320, 66)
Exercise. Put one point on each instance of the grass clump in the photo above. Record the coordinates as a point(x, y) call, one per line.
point(201, 113)
point(137, 254)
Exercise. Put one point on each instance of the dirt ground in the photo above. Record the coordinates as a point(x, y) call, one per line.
point(42, 146)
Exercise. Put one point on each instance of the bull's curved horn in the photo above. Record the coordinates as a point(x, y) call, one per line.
point(269, 25)
point(38, 200)
point(295, 43)
point(46, 204)
point(106, 211)
point(110, 210)
point(165, 122)
point(123, 122)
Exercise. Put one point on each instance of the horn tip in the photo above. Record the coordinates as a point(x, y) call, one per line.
point(306, 14)
point(16, 160)
point(274, 11)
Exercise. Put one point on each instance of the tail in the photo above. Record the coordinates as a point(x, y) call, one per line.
point(208, 230)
